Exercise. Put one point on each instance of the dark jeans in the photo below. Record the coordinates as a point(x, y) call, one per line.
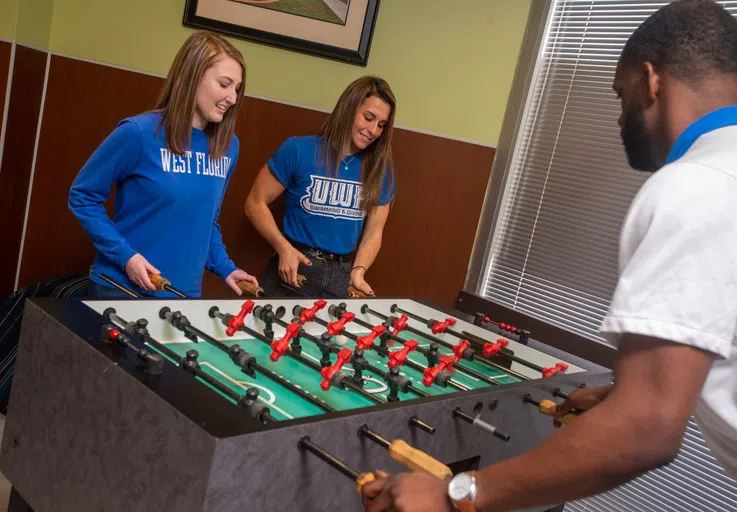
point(325, 279)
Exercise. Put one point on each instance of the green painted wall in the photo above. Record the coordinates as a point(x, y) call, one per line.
point(450, 63)
point(34, 22)
point(8, 15)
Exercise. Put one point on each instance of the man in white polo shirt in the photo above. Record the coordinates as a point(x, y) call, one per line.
point(674, 311)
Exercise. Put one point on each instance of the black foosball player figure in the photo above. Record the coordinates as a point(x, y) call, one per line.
point(396, 383)
point(359, 364)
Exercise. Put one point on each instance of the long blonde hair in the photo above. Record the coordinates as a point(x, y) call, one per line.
point(177, 100)
point(337, 131)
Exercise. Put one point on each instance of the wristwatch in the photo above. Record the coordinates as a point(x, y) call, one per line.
point(462, 490)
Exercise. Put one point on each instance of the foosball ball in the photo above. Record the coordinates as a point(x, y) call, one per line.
point(266, 404)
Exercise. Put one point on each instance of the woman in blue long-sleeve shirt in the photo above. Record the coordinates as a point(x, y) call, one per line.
point(171, 167)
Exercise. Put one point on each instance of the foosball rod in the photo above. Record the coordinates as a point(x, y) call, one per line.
point(162, 284)
point(477, 422)
point(264, 415)
point(253, 363)
point(334, 349)
point(503, 353)
point(411, 364)
point(522, 336)
point(215, 313)
point(360, 479)
point(120, 287)
point(182, 323)
point(461, 368)
point(366, 309)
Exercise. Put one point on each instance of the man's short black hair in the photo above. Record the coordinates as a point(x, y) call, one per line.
point(688, 39)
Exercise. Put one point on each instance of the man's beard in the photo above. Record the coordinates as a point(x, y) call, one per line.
point(639, 144)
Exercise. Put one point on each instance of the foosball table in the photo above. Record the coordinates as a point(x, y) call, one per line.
point(266, 404)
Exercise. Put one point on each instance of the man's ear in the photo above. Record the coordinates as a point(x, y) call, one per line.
point(651, 80)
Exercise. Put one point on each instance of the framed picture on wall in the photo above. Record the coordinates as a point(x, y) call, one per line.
point(338, 29)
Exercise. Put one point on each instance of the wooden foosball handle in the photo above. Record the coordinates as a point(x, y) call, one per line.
point(418, 460)
point(249, 288)
point(355, 292)
point(363, 479)
point(548, 407)
point(158, 281)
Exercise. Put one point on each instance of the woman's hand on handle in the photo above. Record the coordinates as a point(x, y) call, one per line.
point(239, 275)
point(289, 260)
point(359, 283)
point(138, 269)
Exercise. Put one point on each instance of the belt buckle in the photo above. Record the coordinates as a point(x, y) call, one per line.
point(318, 255)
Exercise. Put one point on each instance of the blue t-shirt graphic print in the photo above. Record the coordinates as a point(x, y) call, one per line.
point(322, 211)
point(332, 197)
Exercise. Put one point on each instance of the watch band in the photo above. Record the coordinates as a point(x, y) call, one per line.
point(464, 506)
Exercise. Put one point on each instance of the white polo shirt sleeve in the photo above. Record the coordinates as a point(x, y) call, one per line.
point(678, 261)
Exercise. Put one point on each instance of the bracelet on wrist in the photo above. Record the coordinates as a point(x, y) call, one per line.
point(359, 266)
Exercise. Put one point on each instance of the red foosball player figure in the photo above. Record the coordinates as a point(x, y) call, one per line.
point(365, 342)
point(279, 347)
point(332, 374)
point(558, 368)
point(235, 323)
point(398, 357)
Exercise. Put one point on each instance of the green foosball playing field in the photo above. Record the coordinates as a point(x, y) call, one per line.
point(285, 404)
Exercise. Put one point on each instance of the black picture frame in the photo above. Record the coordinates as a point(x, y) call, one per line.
point(357, 56)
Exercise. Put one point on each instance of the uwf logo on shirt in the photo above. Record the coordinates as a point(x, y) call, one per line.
point(332, 197)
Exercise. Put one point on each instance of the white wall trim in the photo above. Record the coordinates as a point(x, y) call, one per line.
point(282, 102)
point(32, 47)
point(107, 64)
point(33, 171)
point(4, 126)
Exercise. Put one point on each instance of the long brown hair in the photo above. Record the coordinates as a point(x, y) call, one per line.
point(177, 99)
point(337, 131)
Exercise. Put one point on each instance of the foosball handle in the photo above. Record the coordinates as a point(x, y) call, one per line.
point(158, 281)
point(249, 288)
point(355, 292)
point(547, 407)
point(417, 460)
point(363, 479)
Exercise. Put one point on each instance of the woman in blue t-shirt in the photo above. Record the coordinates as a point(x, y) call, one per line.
point(338, 187)
point(171, 168)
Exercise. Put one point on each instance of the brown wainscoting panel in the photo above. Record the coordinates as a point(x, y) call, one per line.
point(5, 50)
point(26, 90)
point(428, 240)
point(430, 232)
point(84, 102)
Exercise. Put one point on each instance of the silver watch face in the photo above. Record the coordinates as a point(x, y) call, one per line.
point(460, 486)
